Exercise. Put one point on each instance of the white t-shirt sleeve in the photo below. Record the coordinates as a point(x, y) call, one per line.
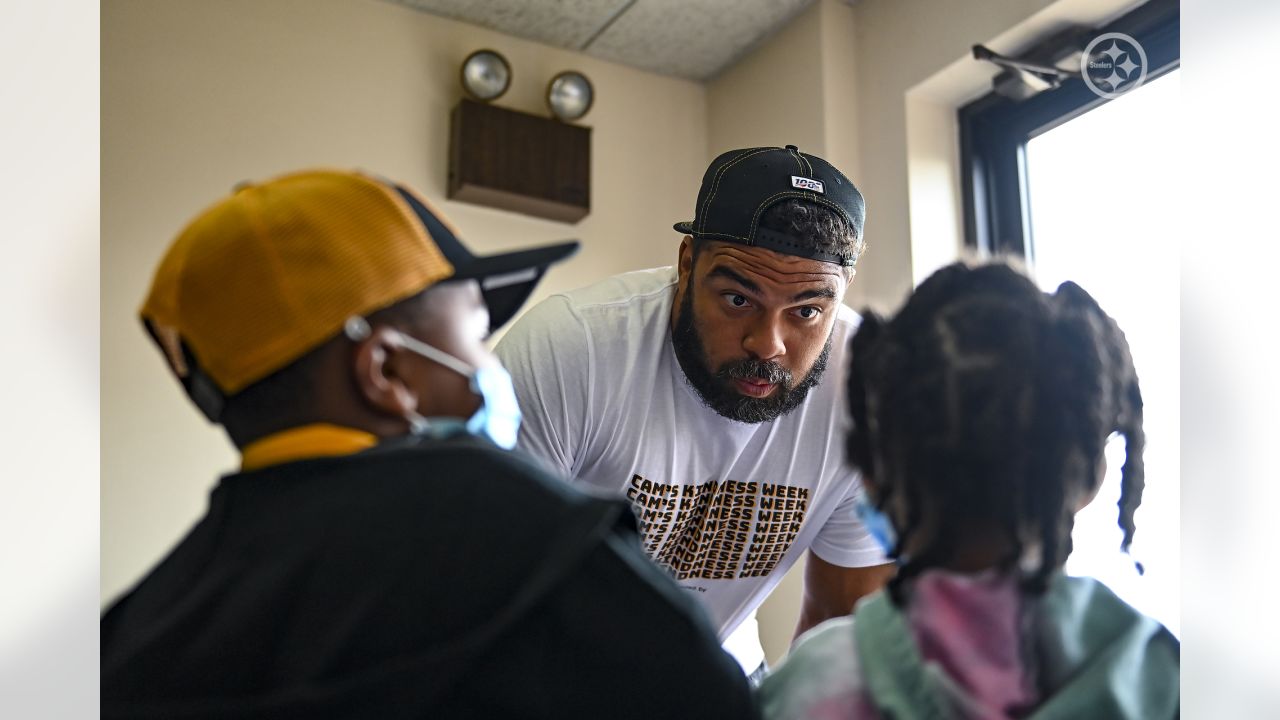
point(548, 353)
point(843, 540)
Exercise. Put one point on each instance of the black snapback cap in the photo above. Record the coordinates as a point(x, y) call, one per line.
point(740, 185)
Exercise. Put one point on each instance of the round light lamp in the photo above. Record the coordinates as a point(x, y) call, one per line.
point(485, 75)
point(569, 95)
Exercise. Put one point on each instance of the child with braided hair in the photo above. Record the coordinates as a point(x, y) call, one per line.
point(981, 413)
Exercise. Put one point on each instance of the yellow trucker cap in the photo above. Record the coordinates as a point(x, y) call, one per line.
point(273, 271)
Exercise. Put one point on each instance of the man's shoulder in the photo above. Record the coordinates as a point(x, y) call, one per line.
point(632, 291)
point(606, 316)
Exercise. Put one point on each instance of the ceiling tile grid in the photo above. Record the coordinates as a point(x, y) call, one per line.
point(694, 40)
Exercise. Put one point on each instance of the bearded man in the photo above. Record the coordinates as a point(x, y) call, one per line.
point(701, 392)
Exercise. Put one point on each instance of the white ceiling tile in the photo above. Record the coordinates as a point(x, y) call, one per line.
point(694, 40)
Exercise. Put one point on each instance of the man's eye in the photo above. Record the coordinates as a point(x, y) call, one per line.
point(808, 312)
point(736, 300)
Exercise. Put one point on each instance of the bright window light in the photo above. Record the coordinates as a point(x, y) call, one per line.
point(1107, 208)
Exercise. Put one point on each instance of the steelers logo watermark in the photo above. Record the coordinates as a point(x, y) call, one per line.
point(1113, 64)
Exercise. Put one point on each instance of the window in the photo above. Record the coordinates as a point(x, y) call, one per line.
point(1087, 189)
point(1105, 210)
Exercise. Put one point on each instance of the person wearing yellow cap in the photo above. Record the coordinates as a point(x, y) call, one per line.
point(382, 552)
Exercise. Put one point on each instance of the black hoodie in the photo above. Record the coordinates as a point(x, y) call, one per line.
point(435, 579)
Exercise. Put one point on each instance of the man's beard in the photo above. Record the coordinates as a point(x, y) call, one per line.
point(716, 389)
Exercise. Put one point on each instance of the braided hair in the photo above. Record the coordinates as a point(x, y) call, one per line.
point(993, 401)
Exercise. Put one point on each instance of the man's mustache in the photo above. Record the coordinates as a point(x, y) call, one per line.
point(766, 370)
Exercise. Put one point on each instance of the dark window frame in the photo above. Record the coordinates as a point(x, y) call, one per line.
point(994, 132)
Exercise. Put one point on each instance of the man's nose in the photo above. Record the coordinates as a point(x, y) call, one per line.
point(764, 339)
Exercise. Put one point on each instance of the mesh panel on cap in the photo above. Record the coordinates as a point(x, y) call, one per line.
point(273, 271)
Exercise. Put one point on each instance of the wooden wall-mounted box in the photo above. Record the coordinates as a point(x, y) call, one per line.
point(516, 161)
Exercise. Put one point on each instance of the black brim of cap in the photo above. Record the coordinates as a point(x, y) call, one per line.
point(507, 280)
point(684, 227)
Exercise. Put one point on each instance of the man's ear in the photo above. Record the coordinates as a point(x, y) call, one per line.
point(684, 261)
point(376, 375)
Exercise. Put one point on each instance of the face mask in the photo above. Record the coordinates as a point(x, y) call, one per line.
point(876, 522)
point(498, 417)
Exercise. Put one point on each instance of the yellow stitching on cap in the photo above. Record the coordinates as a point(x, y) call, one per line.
point(727, 235)
point(751, 230)
point(803, 164)
point(801, 158)
point(715, 187)
point(820, 200)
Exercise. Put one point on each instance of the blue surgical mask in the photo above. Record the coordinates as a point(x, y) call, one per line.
point(497, 418)
point(876, 522)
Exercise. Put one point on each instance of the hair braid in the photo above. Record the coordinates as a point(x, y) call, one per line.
point(1119, 406)
point(986, 402)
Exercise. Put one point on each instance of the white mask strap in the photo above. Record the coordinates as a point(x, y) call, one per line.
point(357, 329)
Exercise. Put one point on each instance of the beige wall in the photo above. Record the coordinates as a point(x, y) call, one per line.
point(796, 88)
point(199, 95)
point(902, 43)
point(771, 97)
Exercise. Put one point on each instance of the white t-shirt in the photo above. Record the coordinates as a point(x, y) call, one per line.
point(727, 507)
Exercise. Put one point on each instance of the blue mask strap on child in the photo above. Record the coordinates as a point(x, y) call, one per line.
point(436, 428)
point(876, 522)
